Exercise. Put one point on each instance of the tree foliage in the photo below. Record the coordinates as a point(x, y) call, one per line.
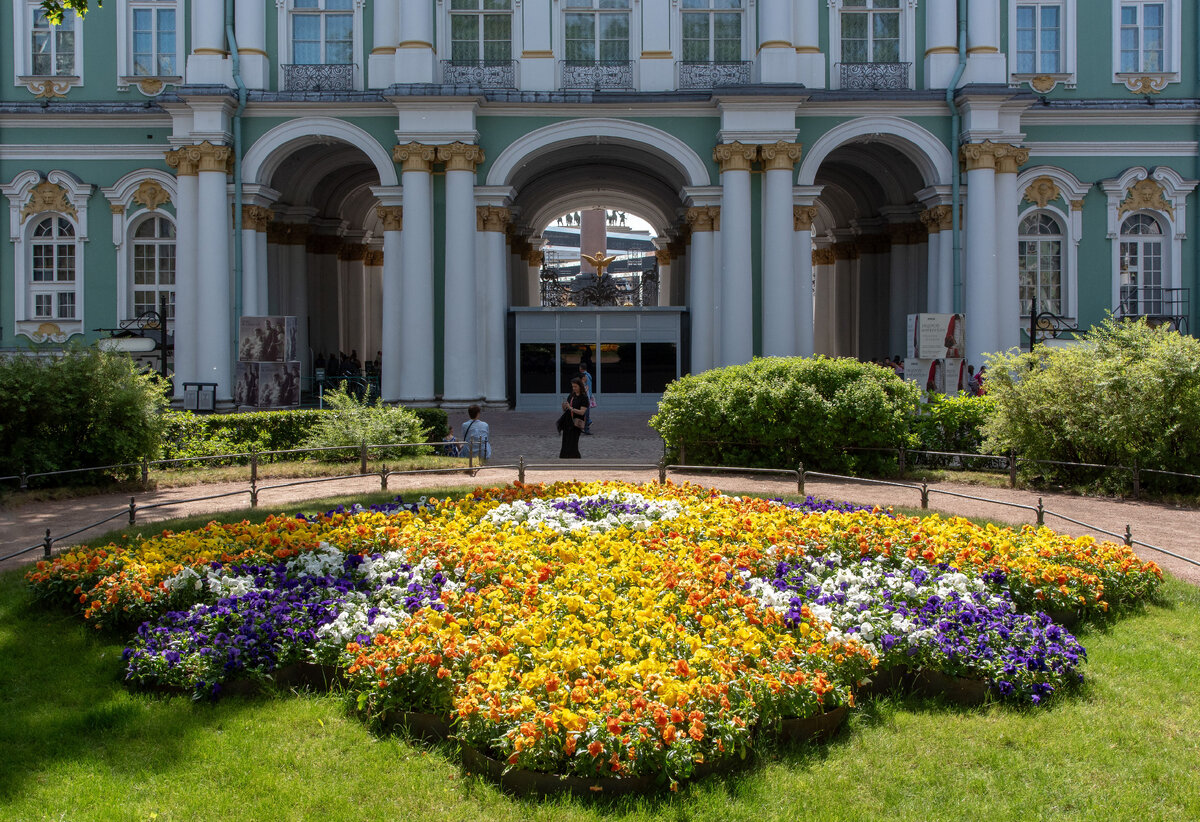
point(353, 421)
point(1129, 393)
point(78, 408)
point(55, 9)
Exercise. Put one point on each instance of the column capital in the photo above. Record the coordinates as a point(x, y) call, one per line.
point(392, 217)
point(215, 158)
point(703, 218)
point(937, 219)
point(780, 155)
point(326, 244)
point(287, 233)
point(255, 217)
point(352, 252)
point(907, 233)
point(735, 156)
point(414, 156)
point(536, 257)
point(663, 255)
point(373, 258)
point(460, 156)
point(802, 217)
point(185, 160)
point(1010, 159)
point(845, 250)
point(823, 256)
point(1001, 157)
point(492, 218)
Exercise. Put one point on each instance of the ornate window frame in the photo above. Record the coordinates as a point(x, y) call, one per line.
point(137, 195)
point(46, 86)
point(149, 85)
point(908, 40)
point(1059, 193)
point(635, 26)
point(748, 11)
point(1039, 81)
point(283, 11)
point(31, 198)
point(1150, 82)
point(1162, 193)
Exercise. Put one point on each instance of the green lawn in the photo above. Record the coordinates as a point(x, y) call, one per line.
point(76, 745)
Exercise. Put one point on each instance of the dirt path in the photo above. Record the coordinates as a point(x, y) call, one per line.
point(628, 441)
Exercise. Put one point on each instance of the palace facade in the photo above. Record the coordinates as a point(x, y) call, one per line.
point(386, 170)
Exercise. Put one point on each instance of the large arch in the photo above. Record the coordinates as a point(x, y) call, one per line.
point(268, 151)
point(670, 149)
point(929, 154)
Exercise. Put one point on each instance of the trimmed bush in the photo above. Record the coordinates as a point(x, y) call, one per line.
point(1127, 394)
point(351, 422)
point(778, 412)
point(77, 408)
point(950, 424)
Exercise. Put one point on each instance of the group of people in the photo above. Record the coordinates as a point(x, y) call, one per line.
point(476, 438)
point(895, 363)
point(342, 364)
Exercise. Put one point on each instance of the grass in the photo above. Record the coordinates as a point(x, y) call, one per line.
point(78, 745)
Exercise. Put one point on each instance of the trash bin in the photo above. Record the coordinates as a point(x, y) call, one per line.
point(199, 396)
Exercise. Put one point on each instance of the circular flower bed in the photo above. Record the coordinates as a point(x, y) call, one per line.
point(602, 629)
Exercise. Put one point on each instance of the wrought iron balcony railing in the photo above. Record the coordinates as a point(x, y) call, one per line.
point(695, 74)
point(1160, 306)
point(318, 77)
point(482, 73)
point(608, 74)
point(874, 76)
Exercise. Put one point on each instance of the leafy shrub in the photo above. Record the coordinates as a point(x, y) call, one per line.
point(953, 424)
point(203, 435)
point(434, 421)
point(77, 408)
point(1127, 393)
point(351, 421)
point(778, 412)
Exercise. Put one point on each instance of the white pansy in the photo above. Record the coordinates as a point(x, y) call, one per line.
point(543, 513)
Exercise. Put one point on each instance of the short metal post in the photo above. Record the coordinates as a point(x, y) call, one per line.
point(682, 454)
point(47, 544)
point(903, 451)
point(145, 469)
point(1128, 536)
point(521, 470)
point(800, 478)
point(1041, 513)
point(470, 453)
point(24, 480)
point(253, 466)
point(1012, 469)
point(662, 470)
point(1137, 480)
point(383, 477)
point(924, 496)
point(132, 511)
point(253, 494)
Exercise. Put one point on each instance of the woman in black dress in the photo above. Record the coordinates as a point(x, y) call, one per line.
point(577, 405)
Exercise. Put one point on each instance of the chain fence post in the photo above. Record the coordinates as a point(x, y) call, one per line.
point(24, 480)
point(1137, 479)
point(903, 461)
point(383, 478)
point(1012, 469)
point(253, 466)
point(145, 470)
point(253, 493)
point(682, 454)
point(47, 544)
point(924, 496)
point(1041, 513)
point(1128, 536)
point(521, 470)
point(662, 470)
point(800, 478)
point(362, 458)
point(132, 511)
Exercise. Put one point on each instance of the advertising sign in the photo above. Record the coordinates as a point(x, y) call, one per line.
point(936, 336)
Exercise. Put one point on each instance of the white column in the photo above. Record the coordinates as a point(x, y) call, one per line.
point(936, 219)
point(736, 299)
point(701, 287)
point(254, 222)
point(414, 57)
point(945, 304)
point(776, 54)
point(460, 376)
point(985, 63)
point(810, 62)
point(980, 268)
point(494, 290)
point(381, 64)
point(185, 161)
point(416, 273)
point(941, 42)
point(208, 62)
point(802, 220)
point(391, 343)
point(1008, 285)
point(214, 359)
point(297, 274)
point(778, 261)
point(250, 25)
point(899, 272)
point(260, 254)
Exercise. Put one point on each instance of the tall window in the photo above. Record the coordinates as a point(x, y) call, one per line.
point(322, 32)
point(596, 31)
point(870, 31)
point(712, 31)
point(1039, 38)
point(154, 265)
point(154, 38)
point(1041, 263)
point(52, 48)
point(1142, 37)
point(1141, 265)
point(52, 269)
point(481, 30)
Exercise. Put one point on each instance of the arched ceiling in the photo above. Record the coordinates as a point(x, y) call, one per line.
point(862, 178)
point(333, 177)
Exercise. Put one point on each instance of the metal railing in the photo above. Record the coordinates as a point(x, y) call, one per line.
point(483, 73)
point(318, 77)
point(800, 474)
point(597, 74)
point(710, 74)
point(874, 76)
point(1159, 305)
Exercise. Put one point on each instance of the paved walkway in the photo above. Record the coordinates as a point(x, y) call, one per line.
point(619, 438)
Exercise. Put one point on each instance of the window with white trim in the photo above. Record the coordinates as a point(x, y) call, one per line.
point(1039, 47)
point(153, 26)
point(52, 282)
point(596, 31)
point(712, 31)
point(322, 32)
point(153, 266)
point(870, 31)
point(1141, 266)
point(1142, 37)
point(1040, 263)
point(480, 31)
point(52, 49)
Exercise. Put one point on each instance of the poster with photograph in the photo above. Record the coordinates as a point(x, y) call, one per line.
point(936, 336)
point(937, 376)
point(278, 384)
point(267, 339)
point(245, 388)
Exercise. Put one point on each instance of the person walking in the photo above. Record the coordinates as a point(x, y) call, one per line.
point(576, 407)
point(476, 435)
point(586, 376)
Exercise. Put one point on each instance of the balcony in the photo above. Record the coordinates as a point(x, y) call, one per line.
point(590, 74)
point(704, 75)
point(482, 73)
point(874, 76)
point(1160, 306)
point(318, 77)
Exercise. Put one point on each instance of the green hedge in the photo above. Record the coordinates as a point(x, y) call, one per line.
point(779, 412)
point(950, 424)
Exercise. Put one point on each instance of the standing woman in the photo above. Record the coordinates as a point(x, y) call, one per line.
point(576, 405)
